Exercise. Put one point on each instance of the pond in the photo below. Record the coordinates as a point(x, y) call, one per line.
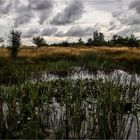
point(79, 73)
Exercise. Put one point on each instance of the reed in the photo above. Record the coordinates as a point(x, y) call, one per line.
point(97, 109)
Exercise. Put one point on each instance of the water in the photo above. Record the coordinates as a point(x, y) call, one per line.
point(78, 73)
point(57, 110)
point(58, 117)
point(124, 77)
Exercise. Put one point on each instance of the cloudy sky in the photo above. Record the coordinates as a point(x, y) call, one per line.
point(59, 20)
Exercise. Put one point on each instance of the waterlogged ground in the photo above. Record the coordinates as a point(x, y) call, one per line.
point(125, 78)
point(79, 104)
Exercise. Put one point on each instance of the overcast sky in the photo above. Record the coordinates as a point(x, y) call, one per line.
point(59, 20)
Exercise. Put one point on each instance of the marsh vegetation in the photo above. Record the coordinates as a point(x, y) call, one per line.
point(89, 108)
point(69, 106)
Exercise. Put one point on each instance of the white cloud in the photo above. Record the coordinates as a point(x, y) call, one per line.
point(71, 18)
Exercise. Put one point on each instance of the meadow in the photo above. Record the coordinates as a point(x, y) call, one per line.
point(32, 107)
point(32, 52)
point(64, 58)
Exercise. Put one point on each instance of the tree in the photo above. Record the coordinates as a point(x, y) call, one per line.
point(89, 41)
point(95, 36)
point(39, 41)
point(115, 38)
point(80, 41)
point(101, 37)
point(64, 44)
point(15, 42)
point(98, 39)
point(133, 42)
point(1, 40)
point(129, 41)
point(98, 36)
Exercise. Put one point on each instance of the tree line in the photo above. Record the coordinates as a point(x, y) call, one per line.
point(98, 39)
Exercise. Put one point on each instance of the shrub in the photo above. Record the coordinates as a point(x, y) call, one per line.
point(89, 41)
point(130, 41)
point(39, 41)
point(15, 42)
point(1, 40)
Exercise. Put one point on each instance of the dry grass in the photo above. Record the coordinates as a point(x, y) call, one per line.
point(121, 53)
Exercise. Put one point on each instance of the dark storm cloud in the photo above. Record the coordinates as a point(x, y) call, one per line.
point(104, 5)
point(79, 31)
point(49, 31)
point(117, 13)
point(60, 34)
point(135, 5)
point(42, 7)
point(76, 31)
point(134, 20)
point(106, 1)
point(31, 32)
point(33, 8)
point(23, 14)
point(72, 12)
point(128, 17)
point(126, 20)
point(129, 31)
point(40, 4)
point(112, 26)
point(44, 15)
point(5, 6)
point(22, 18)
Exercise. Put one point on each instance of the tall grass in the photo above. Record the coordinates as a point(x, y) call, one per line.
point(57, 59)
point(120, 52)
point(94, 109)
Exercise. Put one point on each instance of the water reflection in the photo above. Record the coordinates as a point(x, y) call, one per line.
point(78, 73)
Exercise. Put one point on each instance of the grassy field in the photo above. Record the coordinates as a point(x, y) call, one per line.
point(93, 58)
point(114, 52)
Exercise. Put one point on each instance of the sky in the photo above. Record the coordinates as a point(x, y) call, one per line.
point(68, 20)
